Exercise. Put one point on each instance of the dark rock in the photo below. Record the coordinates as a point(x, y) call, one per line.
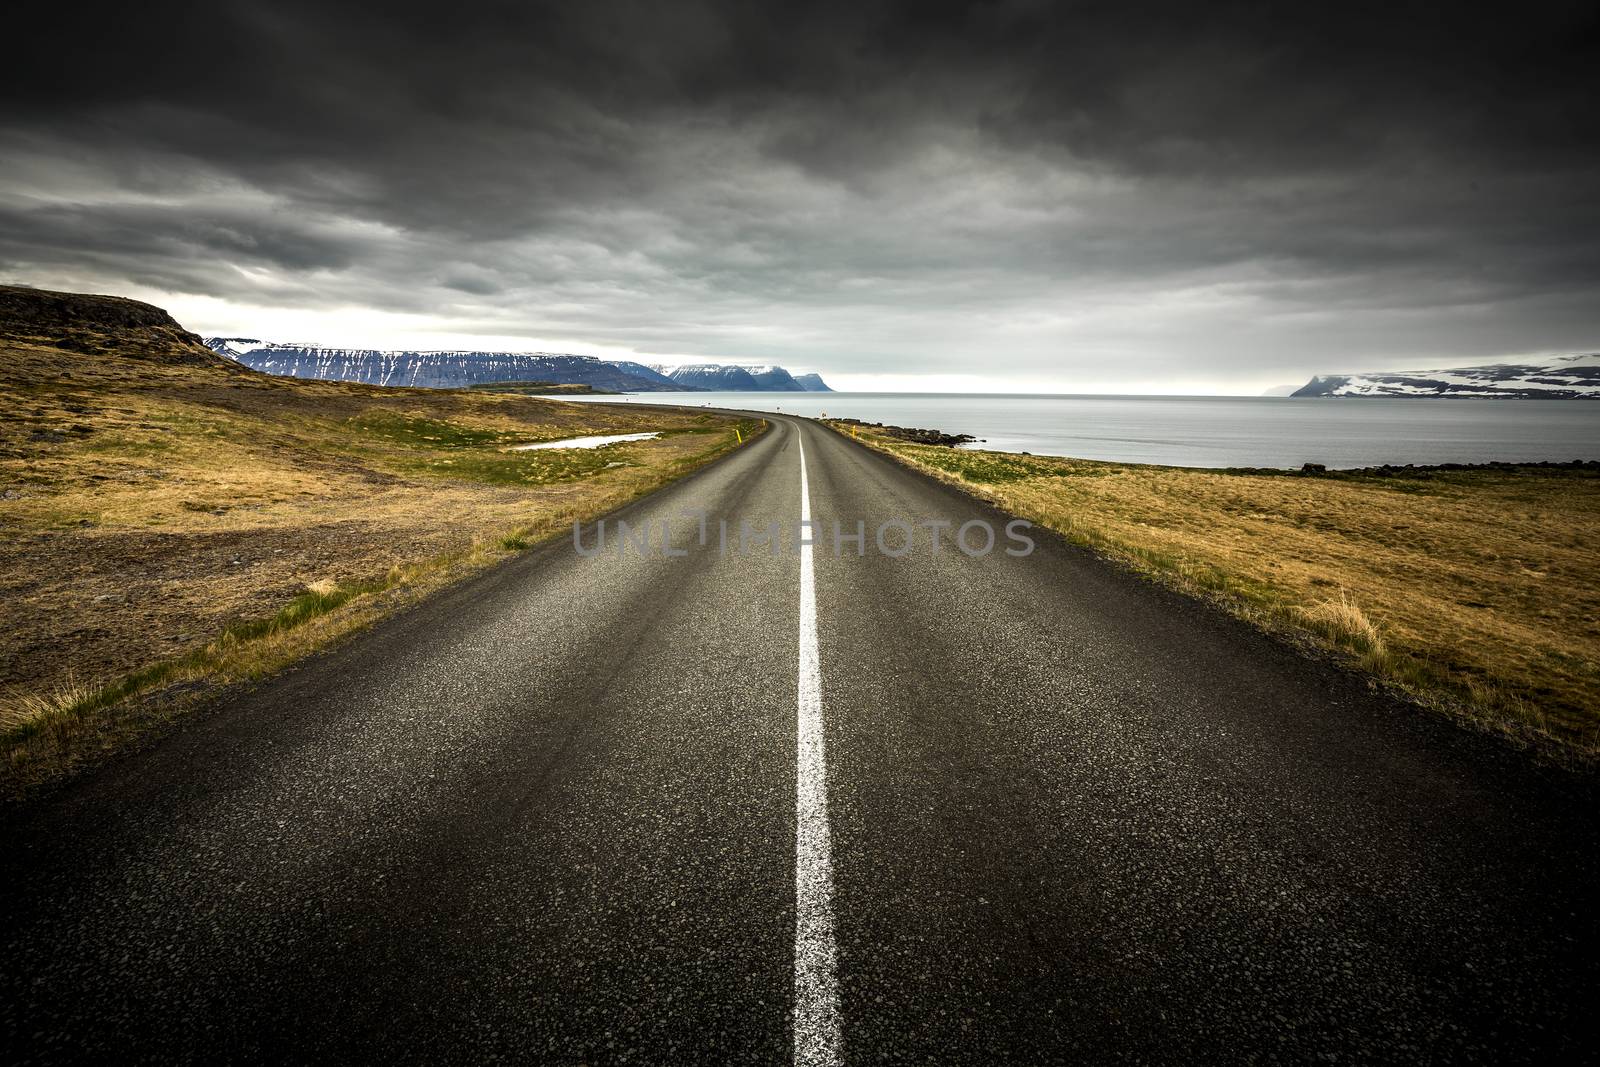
point(41, 307)
point(918, 436)
point(89, 324)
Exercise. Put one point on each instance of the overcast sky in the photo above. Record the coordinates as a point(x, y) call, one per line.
point(1198, 197)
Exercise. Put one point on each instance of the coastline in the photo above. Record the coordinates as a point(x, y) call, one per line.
point(1212, 432)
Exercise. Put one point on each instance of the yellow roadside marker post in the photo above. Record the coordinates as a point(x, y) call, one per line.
point(739, 437)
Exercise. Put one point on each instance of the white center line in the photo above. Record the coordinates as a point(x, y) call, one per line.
point(817, 1041)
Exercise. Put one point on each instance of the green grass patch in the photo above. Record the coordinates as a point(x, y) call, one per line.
point(980, 467)
point(543, 467)
point(416, 431)
point(316, 600)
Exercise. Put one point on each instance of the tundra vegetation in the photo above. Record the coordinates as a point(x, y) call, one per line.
point(1475, 591)
point(176, 523)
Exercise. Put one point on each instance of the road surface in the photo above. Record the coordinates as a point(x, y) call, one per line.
point(804, 808)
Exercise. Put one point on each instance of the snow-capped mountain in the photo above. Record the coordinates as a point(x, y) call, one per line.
point(1561, 377)
point(440, 370)
point(456, 369)
point(775, 379)
point(722, 377)
point(728, 377)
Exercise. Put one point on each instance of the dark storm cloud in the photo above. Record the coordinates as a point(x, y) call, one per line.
point(857, 186)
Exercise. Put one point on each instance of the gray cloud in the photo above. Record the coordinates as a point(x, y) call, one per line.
point(1083, 192)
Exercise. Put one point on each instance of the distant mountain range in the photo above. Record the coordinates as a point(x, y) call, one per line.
point(1562, 377)
point(439, 370)
point(733, 378)
point(459, 369)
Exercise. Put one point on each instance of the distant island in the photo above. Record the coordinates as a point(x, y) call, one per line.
point(464, 369)
point(1560, 378)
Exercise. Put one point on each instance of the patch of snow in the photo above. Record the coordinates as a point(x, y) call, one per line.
point(1577, 375)
point(588, 442)
point(236, 346)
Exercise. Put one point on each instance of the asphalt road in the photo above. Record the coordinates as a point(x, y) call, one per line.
point(626, 809)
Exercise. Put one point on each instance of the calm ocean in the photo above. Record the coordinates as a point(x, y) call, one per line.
point(1212, 431)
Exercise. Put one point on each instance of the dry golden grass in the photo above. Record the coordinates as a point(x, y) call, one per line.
point(176, 522)
point(1478, 591)
point(55, 711)
point(1343, 622)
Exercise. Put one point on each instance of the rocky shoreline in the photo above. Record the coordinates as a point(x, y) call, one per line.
point(1406, 470)
point(912, 434)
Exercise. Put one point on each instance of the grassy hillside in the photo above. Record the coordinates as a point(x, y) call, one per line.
point(176, 521)
point(1477, 591)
